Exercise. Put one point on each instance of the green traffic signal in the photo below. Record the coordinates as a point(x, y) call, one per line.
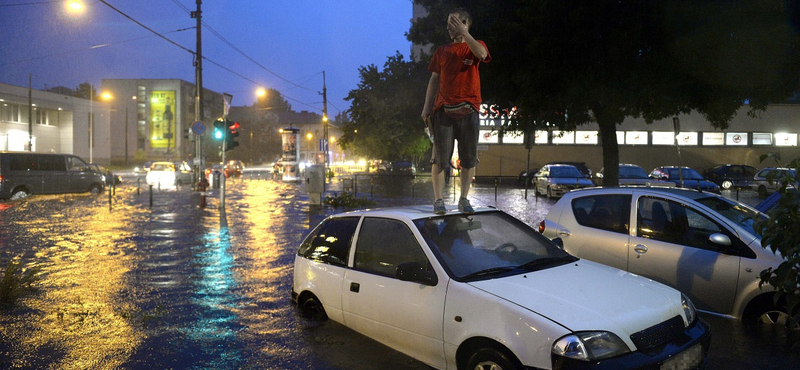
point(219, 129)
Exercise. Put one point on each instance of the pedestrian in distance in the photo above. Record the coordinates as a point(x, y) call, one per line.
point(452, 103)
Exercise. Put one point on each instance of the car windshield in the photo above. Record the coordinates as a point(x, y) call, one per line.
point(488, 244)
point(565, 172)
point(688, 174)
point(734, 211)
point(632, 173)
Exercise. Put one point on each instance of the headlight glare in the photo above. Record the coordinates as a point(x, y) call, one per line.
point(590, 346)
point(688, 309)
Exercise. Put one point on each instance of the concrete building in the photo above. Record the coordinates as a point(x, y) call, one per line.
point(61, 123)
point(151, 118)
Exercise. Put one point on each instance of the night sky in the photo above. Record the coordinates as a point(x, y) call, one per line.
point(293, 40)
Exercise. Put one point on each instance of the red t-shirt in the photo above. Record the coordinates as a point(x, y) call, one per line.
point(459, 80)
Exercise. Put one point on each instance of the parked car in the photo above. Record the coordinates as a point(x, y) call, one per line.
point(488, 291)
point(168, 175)
point(771, 201)
point(631, 174)
point(728, 176)
point(700, 243)
point(554, 180)
point(109, 178)
point(762, 181)
point(25, 173)
point(691, 178)
point(402, 168)
point(234, 168)
point(143, 168)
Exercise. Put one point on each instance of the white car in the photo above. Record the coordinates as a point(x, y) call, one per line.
point(700, 243)
point(169, 175)
point(488, 291)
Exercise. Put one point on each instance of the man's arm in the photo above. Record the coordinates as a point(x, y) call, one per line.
point(477, 49)
point(430, 96)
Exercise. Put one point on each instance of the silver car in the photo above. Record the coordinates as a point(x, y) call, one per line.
point(555, 180)
point(697, 242)
point(762, 181)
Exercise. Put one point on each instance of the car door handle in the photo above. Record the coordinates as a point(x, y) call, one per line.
point(640, 249)
point(564, 232)
point(355, 287)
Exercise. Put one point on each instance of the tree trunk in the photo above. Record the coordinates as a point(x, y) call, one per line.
point(608, 140)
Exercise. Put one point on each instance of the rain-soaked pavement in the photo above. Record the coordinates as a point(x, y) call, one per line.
point(176, 286)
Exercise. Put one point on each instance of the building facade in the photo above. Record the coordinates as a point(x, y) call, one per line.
point(60, 124)
point(151, 119)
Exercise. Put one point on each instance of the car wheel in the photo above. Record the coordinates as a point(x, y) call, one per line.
point(491, 359)
point(762, 191)
point(727, 184)
point(19, 194)
point(95, 189)
point(767, 312)
point(311, 308)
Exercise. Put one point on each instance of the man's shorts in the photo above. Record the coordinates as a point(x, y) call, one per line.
point(445, 130)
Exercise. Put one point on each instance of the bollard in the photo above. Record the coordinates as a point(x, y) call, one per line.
point(355, 185)
point(495, 189)
point(151, 196)
point(109, 198)
point(372, 187)
point(138, 182)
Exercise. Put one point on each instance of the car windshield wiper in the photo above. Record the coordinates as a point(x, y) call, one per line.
point(489, 272)
point(543, 263)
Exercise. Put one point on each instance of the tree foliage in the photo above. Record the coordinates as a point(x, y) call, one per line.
point(273, 101)
point(384, 116)
point(781, 234)
point(568, 63)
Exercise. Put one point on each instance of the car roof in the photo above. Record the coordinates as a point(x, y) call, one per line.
point(683, 192)
point(409, 212)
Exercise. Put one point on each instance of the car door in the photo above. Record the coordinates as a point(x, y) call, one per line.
point(79, 174)
point(596, 227)
point(404, 315)
point(671, 245)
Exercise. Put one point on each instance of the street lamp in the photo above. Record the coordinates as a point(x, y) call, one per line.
point(104, 96)
point(309, 136)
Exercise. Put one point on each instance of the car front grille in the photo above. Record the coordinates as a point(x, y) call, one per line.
point(658, 334)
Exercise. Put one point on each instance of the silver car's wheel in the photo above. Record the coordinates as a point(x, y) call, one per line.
point(727, 184)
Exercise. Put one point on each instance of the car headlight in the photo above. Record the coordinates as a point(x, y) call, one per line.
point(688, 309)
point(556, 186)
point(590, 346)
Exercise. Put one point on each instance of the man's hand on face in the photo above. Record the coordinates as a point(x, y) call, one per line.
point(456, 26)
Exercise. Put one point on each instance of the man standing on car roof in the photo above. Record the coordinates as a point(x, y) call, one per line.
point(452, 103)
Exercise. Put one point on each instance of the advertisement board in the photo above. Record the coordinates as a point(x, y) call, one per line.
point(162, 119)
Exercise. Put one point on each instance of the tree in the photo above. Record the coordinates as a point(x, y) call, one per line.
point(272, 100)
point(85, 90)
point(781, 234)
point(568, 63)
point(384, 116)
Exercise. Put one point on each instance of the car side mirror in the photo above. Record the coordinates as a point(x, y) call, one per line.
point(720, 240)
point(559, 242)
point(413, 271)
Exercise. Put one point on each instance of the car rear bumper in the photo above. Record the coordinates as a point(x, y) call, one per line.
point(695, 341)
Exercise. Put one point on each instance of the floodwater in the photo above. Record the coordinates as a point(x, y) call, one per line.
point(176, 286)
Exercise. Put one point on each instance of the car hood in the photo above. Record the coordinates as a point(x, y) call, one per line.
point(592, 297)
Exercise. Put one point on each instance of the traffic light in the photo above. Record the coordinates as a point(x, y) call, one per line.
point(231, 135)
point(219, 130)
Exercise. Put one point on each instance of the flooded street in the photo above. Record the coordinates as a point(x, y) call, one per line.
point(182, 287)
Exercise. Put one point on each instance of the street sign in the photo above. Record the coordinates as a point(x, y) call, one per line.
point(323, 145)
point(198, 128)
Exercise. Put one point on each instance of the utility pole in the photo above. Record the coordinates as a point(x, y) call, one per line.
point(30, 114)
point(198, 106)
point(325, 127)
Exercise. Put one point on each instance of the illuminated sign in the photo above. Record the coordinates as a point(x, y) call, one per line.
point(563, 137)
point(736, 138)
point(713, 138)
point(762, 138)
point(540, 137)
point(488, 137)
point(585, 137)
point(636, 137)
point(688, 138)
point(513, 137)
point(785, 139)
point(663, 138)
point(162, 119)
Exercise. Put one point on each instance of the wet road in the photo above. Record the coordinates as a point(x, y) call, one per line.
point(177, 286)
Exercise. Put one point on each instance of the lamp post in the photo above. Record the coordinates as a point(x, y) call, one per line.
point(126, 131)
